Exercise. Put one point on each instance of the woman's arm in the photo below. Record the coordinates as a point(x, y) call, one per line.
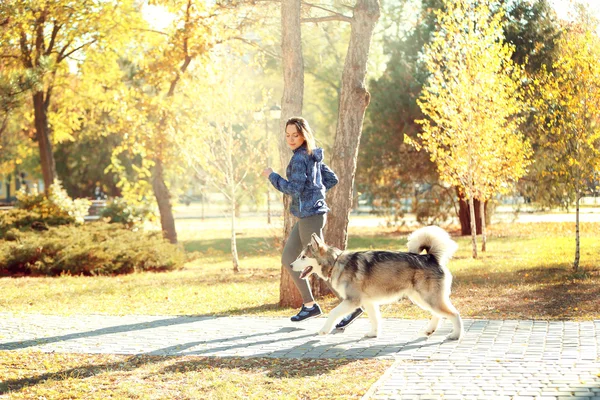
point(330, 179)
point(297, 179)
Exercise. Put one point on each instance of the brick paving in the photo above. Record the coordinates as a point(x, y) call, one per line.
point(494, 359)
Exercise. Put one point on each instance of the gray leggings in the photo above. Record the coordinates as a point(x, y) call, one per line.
point(298, 239)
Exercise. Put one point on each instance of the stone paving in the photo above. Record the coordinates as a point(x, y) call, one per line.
point(494, 359)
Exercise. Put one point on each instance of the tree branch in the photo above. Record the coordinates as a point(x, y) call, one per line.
point(337, 17)
point(256, 46)
point(63, 55)
point(55, 30)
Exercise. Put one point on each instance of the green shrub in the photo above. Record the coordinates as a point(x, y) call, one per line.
point(92, 249)
point(24, 220)
point(38, 211)
point(118, 210)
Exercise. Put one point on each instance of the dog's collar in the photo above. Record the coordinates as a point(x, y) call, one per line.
point(332, 265)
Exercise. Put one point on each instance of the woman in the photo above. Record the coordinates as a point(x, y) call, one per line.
point(308, 178)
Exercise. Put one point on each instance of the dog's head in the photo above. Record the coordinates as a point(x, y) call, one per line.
point(311, 259)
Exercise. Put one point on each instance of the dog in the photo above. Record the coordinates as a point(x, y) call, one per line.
point(369, 278)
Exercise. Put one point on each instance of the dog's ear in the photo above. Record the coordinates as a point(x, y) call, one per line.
point(317, 242)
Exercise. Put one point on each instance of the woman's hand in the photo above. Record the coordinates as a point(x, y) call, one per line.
point(267, 171)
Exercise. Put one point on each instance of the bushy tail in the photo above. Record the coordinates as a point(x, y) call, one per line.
point(435, 241)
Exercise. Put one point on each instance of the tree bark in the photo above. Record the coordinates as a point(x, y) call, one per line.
point(163, 199)
point(291, 105)
point(465, 217)
point(354, 99)
point(40, 106)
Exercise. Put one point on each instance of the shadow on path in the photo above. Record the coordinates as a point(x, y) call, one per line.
point(103, 331)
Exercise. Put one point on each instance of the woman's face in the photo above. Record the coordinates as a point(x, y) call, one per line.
point(293, 137)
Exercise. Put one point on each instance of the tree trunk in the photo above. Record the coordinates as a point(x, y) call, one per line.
point(473, 229)
point(163, 199)
point(465, 217)
point(576, 262)
point(234, 254)
point(48, 165)
point(483, 234)
point(354, 100)
point(291, 105)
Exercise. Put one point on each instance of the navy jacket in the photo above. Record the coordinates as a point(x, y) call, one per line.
point(308, 178)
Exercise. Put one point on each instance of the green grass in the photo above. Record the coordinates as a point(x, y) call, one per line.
point(526, 273)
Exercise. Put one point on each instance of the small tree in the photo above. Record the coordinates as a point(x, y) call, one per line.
point(472, 103)
point(220, 146)
point(567, 112)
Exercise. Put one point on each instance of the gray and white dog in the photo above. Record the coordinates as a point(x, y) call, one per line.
point(371, 278)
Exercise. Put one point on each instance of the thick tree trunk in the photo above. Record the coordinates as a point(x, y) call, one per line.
point(291, 105)
point(40, 108)
point(354, 100)
point(163, 199)
point(473, 229)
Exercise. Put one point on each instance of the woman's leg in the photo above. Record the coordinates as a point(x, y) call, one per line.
point(291, 251)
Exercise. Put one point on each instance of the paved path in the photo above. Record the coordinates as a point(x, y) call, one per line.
point(494, 359)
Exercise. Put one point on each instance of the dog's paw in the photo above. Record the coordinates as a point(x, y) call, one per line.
point(372, 334)
point(323, 332)
point(428, 332)
point(454, 336)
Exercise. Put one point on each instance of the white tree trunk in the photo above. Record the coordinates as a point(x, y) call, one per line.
point(576, 262)
point(483, 232)
point(234, 254)
point(473, 228)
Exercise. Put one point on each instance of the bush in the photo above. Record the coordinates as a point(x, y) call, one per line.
point(56, 209)
point(94, 249)
point(23, 220)
point(120, 211)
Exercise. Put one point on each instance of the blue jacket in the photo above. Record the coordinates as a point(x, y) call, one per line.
point(308, 178)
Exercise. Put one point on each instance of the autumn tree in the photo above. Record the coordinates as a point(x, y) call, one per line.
point(567, 112)
point(390, 169)
point(193, 28)
point(42, 37)
point(220, 141)
point(472, 103)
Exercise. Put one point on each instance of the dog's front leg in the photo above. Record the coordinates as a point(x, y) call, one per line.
point(375, 318)
point(335, 316)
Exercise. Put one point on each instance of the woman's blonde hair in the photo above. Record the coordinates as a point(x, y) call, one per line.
point(304, 129)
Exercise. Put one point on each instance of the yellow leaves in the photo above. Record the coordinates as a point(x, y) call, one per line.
point(472, 101)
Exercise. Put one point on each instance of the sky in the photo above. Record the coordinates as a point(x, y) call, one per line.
point(562, 6)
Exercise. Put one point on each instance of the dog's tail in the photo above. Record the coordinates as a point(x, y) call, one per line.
point(435, 241)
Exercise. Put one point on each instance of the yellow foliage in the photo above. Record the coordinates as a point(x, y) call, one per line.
point(472, 101)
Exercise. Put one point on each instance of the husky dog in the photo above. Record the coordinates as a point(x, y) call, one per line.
point(370, 278)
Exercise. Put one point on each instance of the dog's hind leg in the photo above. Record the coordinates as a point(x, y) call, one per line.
point(447, 310)
point(443, 308)
point(336, 315)
point(375, 318)
point(416, 298)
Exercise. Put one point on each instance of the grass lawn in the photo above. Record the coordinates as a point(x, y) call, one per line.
point(525, 274)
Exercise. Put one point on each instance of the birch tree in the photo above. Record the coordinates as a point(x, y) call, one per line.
point(567, 113)
point(472, 103)
point(221, 145)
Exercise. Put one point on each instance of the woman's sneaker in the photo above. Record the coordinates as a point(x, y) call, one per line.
point(307, 313)
point(350, 318)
